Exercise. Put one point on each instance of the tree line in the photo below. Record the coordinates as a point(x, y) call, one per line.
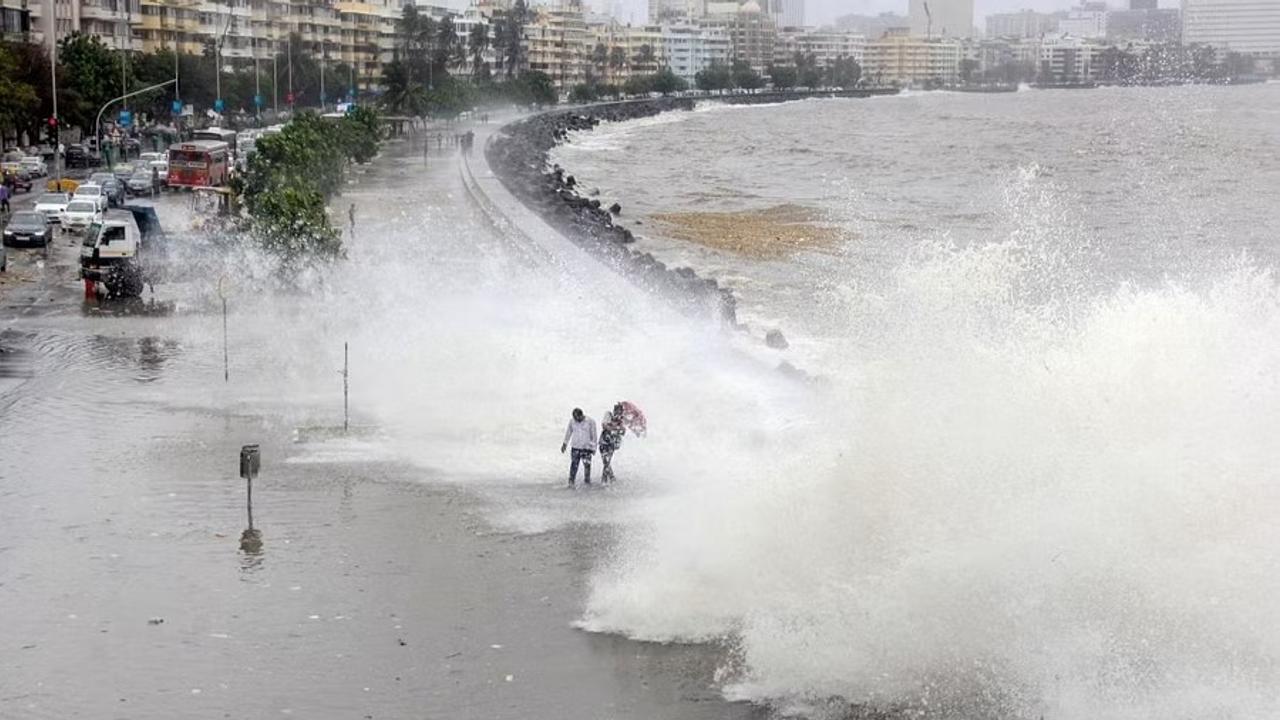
point(90, 74)
point(425, 78)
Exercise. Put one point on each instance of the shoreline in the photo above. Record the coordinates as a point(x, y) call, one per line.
point(519, 155)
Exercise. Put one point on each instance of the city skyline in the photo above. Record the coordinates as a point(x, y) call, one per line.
point(818, 12)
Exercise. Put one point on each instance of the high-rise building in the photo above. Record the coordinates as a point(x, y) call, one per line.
point(941, 18)
point(1087, 21)
point(789, 13)
point(1154, 25)
point(872, 26)
point(1021, 24)
point(675, 10)
point(1143, 4)
point(1245, 26)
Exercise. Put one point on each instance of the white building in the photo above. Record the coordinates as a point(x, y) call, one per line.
point(1087, 21)
point(1246, 26)
point(690, 49)
point(826, 46)
point(941, 18)
point(1068, 59)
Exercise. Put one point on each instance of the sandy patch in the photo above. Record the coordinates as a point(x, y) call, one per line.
point(768, 234)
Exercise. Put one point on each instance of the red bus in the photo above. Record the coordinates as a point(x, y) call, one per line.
point(199, 163)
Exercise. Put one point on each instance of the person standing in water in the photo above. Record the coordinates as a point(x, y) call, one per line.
point(611, 432)
point(581, 435)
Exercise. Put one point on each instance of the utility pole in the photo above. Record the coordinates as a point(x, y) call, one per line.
point(346, 378)
point(257, 80)
point(289, 45)
point(275, 76)
point(57, 127)
point(323, 50)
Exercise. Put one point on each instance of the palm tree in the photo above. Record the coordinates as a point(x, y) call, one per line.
point(618, 58)
point(644, 57)
point(600, 57)
point(477, 43)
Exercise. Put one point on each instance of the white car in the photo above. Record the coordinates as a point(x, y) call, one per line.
point(80, 215)
point(161, 166)
point(35, 166)
point(94, 193)
point(52, 205)
point(149, 157)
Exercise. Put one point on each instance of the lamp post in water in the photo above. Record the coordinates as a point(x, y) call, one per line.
point(250, 463)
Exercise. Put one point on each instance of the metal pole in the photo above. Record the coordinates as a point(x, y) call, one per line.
point(322, 58)
point(249, 500)
point(57, 128)
point(289, 45)
point(97, 124)
point(346, 379)
point(257, 80)
point(226, 364)
point(275, 80)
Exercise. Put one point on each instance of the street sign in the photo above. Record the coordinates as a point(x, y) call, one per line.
point(288, 98)
point(259, 100)
point(218, 105)
point(176, 107)
point(126, 118)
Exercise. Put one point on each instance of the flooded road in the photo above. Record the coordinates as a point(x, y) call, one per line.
point(406, 571)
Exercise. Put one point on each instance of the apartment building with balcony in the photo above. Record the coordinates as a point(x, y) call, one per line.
point(898, 57)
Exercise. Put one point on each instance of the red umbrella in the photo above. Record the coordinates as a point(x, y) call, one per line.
point(633, 418)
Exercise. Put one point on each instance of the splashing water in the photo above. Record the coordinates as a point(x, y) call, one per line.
point(1022, 498)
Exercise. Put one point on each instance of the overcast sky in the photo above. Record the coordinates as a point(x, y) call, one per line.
point(823, 11)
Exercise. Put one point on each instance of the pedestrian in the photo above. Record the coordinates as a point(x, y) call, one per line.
point(155, 180)
point(611, 432)
point(4, 196)
point(580, 436)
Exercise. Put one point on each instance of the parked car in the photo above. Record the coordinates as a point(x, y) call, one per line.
point(140, 182)
point(78, 156)
point(18, 180)
point(122, 171)
point(93, 193)
point(115, 191)
point(35, 165)
point(27, 228)
point(80, 215)
point(52, 204)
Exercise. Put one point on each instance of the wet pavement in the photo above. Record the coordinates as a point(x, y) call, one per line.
point(382, 588)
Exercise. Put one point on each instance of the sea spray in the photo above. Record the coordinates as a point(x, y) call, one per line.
point(1008, 515)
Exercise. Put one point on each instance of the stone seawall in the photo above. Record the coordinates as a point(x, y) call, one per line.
point(518, 155)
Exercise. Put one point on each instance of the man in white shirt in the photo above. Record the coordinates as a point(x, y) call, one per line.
point(580, 435)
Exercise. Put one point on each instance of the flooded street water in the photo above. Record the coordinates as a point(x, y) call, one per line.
point(390, 582)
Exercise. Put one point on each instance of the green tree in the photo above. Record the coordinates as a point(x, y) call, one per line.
point(745, 77)
point(90, 75)
point(477, 44)
point(968, 66)
point(783, 77)
point(717, 76)
point(617, 59)
point(19, 101)
point(666, 82)
point(846, 72)
point(644, 59)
